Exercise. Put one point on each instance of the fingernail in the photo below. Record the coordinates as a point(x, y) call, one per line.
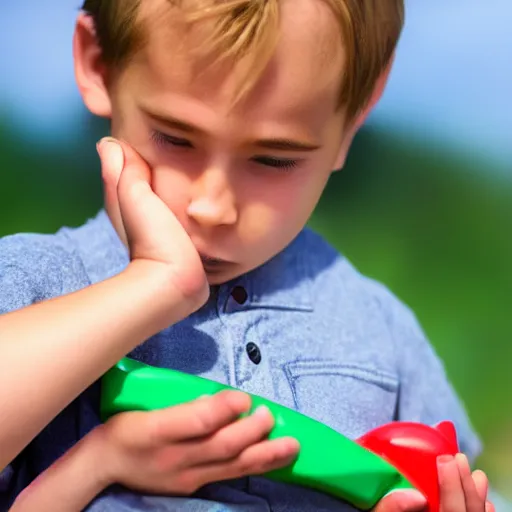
point(462, 460)
point(111, 151)
point(445, 459)
point(103, 141)
point(262, 412)
point(292, 448)
point(408, 500)
point(290, 459)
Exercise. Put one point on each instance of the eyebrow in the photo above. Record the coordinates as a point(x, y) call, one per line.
point(279, 144)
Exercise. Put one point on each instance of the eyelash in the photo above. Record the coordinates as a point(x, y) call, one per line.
point(281, 164)
point(161, 139)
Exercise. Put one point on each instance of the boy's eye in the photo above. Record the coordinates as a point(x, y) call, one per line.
point(164, 140)
point(284, 164)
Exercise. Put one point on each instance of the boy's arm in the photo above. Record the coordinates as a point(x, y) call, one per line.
point(168, 452)
point(72, 482)
point(51, 351)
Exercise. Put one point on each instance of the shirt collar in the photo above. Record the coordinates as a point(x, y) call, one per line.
point(284, 282)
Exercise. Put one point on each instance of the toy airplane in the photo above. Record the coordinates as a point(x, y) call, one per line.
point(399, 455)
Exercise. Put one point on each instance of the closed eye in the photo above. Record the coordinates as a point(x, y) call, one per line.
point(162, 139)
point(281, 164)
point(284, 164)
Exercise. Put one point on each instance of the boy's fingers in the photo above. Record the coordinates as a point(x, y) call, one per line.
point(112, 163)
point(139, 207)
point(450, 486)
point(230, 441)
point(481, 483)
point(153, 231)
point(263, 457)
point(134, 187)
point(474, 502)
point(136, 169)
point(482, 487)
point(402, 501)
point(256, 460)
point(198, 419)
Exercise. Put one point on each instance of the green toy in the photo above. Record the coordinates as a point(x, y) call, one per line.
point(328, 462)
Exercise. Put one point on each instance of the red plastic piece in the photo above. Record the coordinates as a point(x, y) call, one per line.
point(413, 449)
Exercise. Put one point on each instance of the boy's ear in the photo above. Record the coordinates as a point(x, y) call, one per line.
point(90, 70)
point(360, 119)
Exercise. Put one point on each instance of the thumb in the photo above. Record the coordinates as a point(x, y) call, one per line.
point(112, 163)
point(482, 487)
point(134, 165)
point(402, 501)
point(481, 483)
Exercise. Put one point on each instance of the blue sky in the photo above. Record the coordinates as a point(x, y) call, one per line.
point(452, 82)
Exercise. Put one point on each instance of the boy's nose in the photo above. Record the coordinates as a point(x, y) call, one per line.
point(213, 201)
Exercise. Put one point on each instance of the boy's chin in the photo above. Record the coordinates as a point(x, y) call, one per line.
point(221, 277)
point(218, 277)
point(216, 281)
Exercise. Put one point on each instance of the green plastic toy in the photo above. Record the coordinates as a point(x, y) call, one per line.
point(328, 462)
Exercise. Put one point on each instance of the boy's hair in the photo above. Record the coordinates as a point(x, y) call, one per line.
point(370, 30)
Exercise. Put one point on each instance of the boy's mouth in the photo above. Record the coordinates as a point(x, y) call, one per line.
point(212, 264)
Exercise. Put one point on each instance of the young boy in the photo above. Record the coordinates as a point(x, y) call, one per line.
point(228, 118)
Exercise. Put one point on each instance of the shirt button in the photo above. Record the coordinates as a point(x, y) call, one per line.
point(239, 294)
point(254, 353)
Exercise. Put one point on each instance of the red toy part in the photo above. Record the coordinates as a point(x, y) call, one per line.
point(413, 449)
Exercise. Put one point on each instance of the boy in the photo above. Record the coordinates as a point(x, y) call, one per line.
point(232, 115)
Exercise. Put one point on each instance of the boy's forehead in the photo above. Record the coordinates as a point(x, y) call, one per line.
point(305, 71)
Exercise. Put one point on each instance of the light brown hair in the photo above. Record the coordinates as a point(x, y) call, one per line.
point(370, 30)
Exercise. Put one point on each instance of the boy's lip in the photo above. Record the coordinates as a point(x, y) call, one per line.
point(213, 262)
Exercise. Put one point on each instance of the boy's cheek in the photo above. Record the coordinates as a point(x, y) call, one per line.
point(171, 187)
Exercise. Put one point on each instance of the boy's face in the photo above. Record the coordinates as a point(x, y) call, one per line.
point(242, 180)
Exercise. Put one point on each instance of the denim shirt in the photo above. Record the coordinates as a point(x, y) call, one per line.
point(329, 342)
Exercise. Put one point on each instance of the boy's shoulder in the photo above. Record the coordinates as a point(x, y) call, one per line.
point(334, 279)
point(36, 267)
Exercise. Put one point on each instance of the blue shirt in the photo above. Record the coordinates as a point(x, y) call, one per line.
point(333, 344)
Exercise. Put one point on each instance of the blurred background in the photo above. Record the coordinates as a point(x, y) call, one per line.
point(424, 204)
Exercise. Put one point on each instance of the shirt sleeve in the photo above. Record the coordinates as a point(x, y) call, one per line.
point(16, 288)
point(28, 274)
point(34, 268)
point(425, 394)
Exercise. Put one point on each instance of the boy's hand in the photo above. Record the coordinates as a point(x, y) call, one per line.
point(145, 224)
point(180, 449)
point(173, 451)
point(460, 490)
